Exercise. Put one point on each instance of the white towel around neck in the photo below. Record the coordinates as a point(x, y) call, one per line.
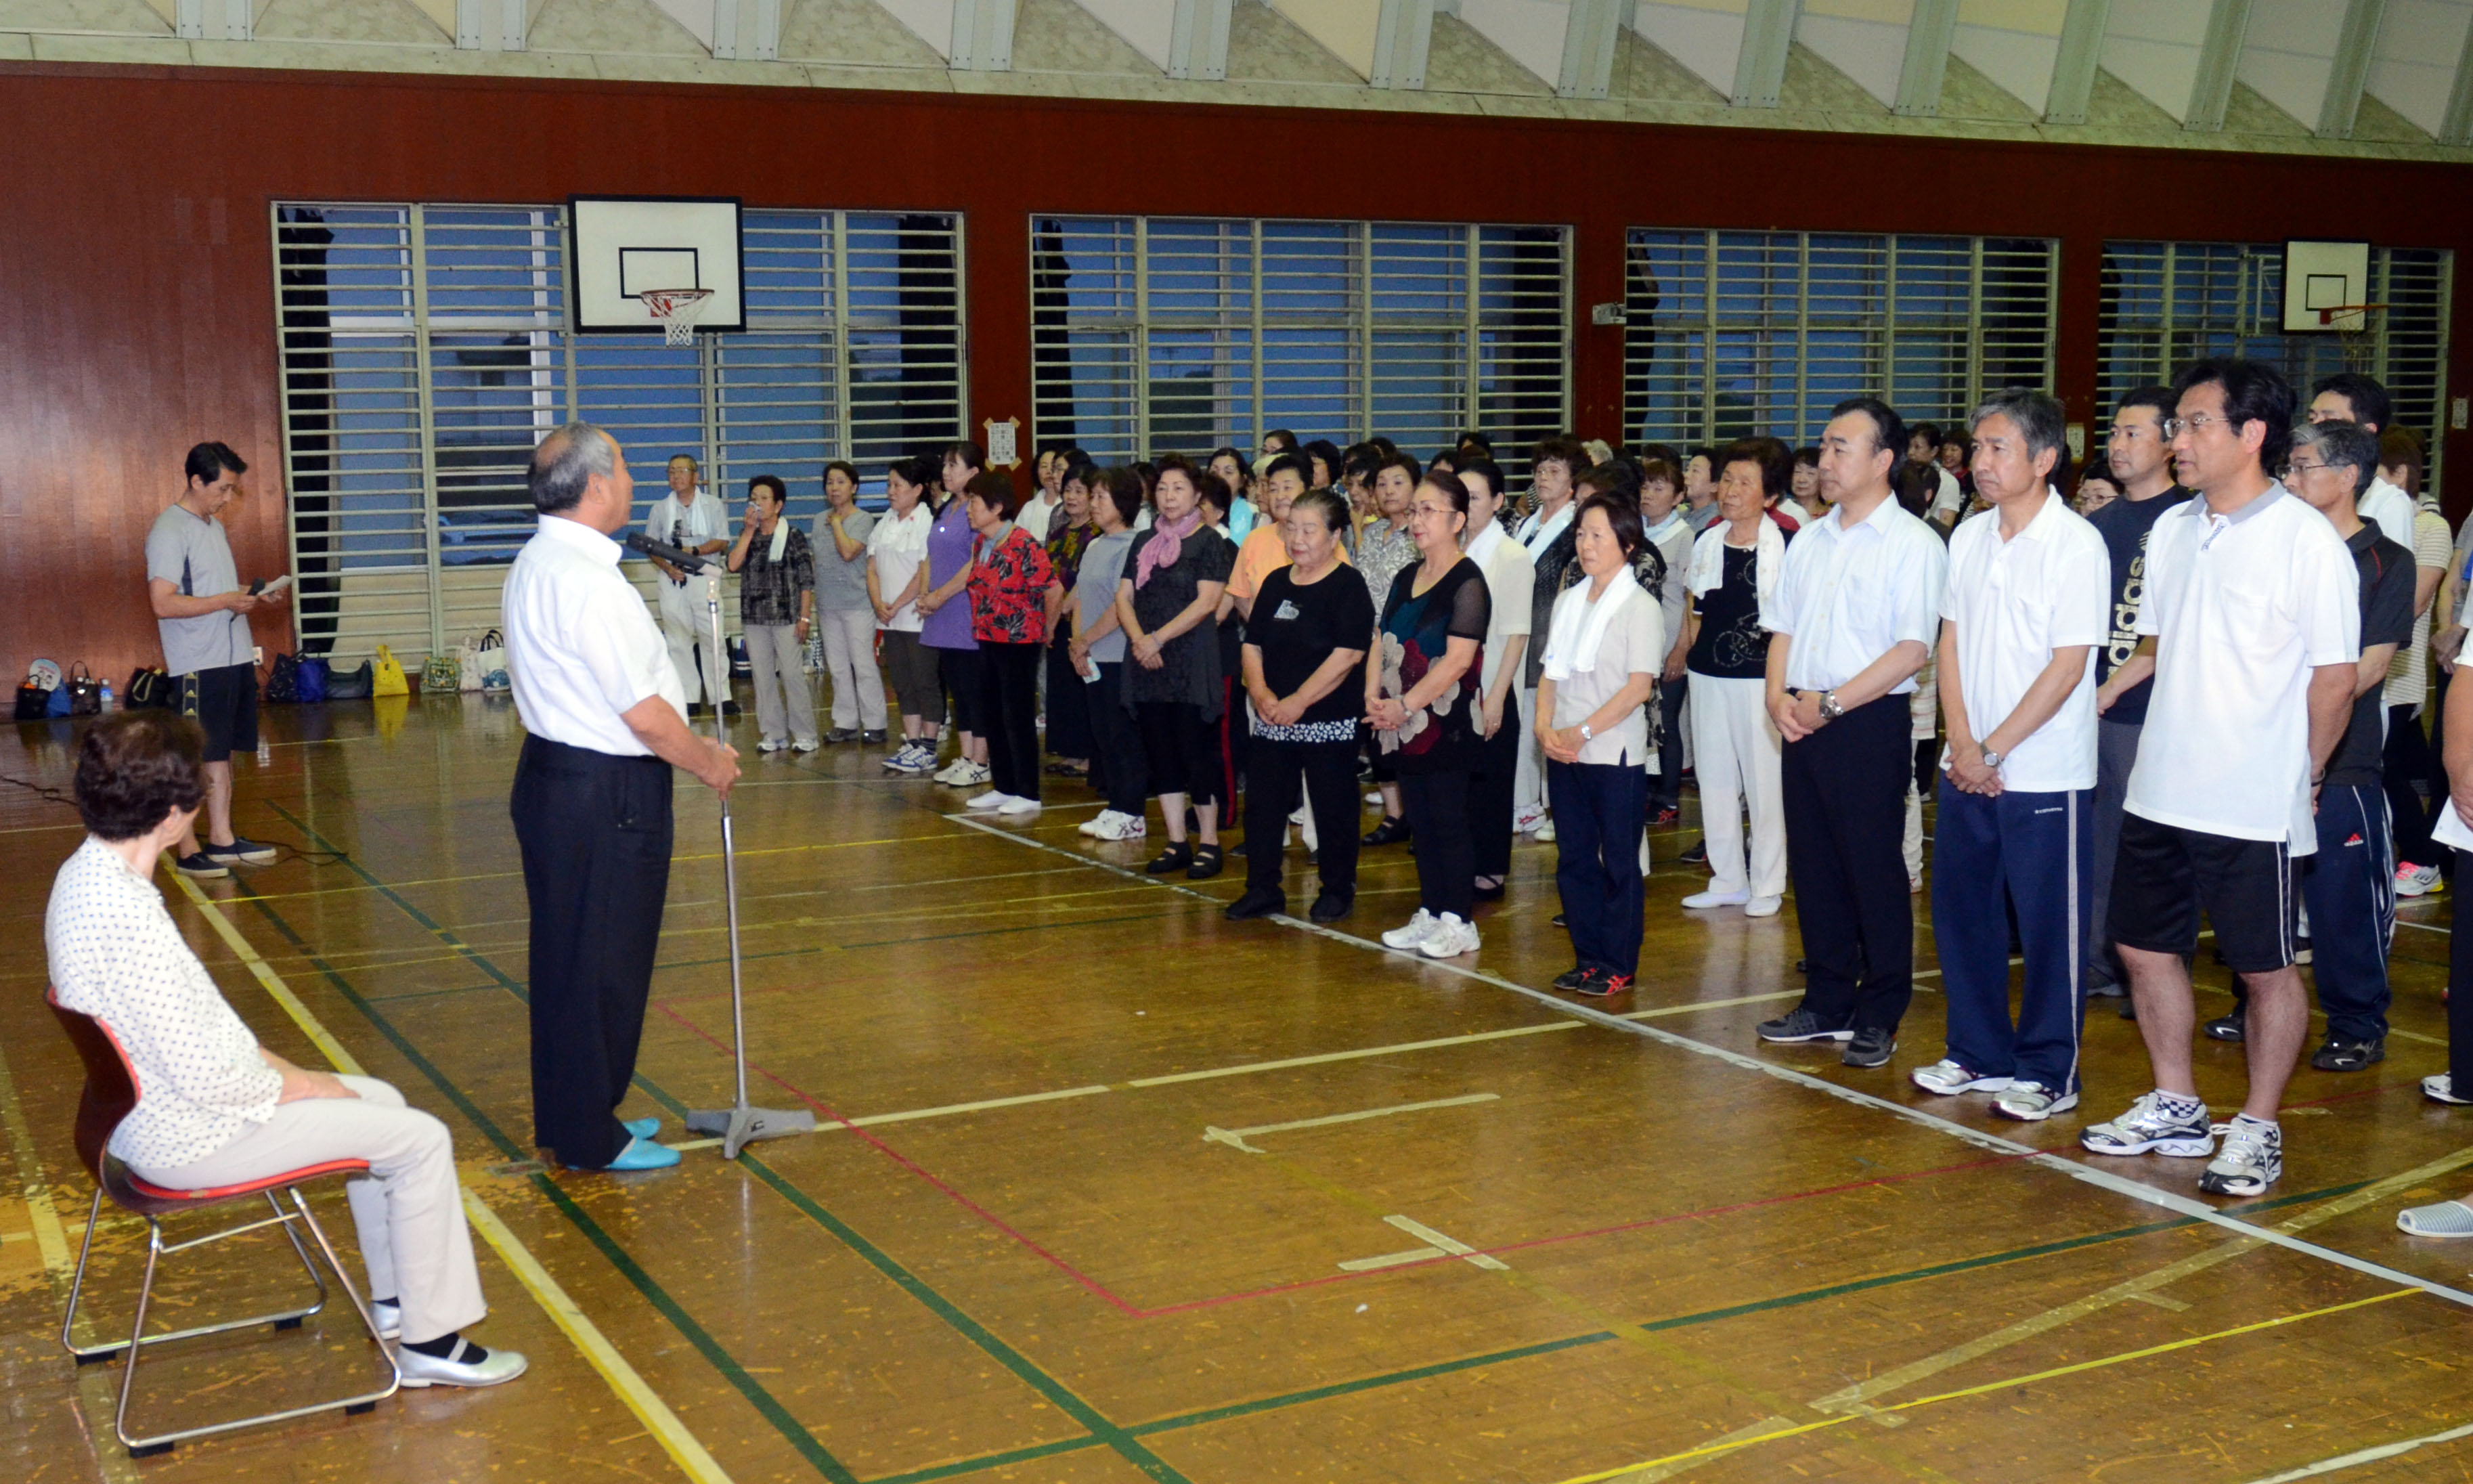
point(1578, 629)
point(1709, 557)
point(781, 537)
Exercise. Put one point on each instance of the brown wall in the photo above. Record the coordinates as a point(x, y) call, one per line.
point(135, 253)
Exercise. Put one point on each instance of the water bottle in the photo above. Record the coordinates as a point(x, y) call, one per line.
point(107, 706)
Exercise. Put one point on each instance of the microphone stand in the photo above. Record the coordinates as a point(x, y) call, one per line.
point(739, 1125)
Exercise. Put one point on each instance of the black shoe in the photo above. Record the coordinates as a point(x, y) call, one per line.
point(1695, 854)
point(1237, 850)
point(842, 734)
point(729, 708)
point(1208, 862)
point(1600, 983)
point(1391, 830)
point(1803, 966)
point(1492, 893)
point(697, 710)
point(1558, 921)
point(1331, 907)
point(871, 737)
point(1175, 858)
point(199, 865)
point(2234, 1027)
point(2349, 1056)
point(1871, 1047)
point(1569, 980)
point(1799, 1025)
point(242, 852)
point(2128, 1008)
point(1256, 904)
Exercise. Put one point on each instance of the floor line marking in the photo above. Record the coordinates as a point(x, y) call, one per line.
point(1245, 1069)
point(2368, 1455)
point(1723, 1446)
point(676, 1439)
point(2103, 1180)
point(1235, 1138)
point(1437, 1240)
point(1391, 1260)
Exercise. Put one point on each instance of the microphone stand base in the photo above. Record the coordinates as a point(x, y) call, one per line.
point(741, 1126)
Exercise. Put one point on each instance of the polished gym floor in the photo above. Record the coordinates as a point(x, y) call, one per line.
point(1108, 1188)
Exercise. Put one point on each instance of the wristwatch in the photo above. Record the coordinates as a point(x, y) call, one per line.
point(1587, 735)
point(1991, 758)
point(1829, 709)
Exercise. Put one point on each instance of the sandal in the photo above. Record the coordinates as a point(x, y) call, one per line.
point(1175, 858)
point(1393, 828)
point(1208, 861)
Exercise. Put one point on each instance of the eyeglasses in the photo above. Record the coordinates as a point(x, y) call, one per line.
point(2290, 469)
point(2174, 427)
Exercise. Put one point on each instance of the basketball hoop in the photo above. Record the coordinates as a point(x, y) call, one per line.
point(2358, 326)
point(675, 311)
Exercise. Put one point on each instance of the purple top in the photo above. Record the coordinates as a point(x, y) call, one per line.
point(948, 551)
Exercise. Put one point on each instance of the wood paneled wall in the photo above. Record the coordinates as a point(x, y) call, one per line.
point(140, 313)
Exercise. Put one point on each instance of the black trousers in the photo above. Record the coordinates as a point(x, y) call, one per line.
point(1845, 795)
point(1182, 750)
point(1009, 688)
point(1328, 772)
point(1489, 797)
point(1598, 810)
point(2409, 760)
point(1668, 788)
point(1437, 809)
point(960, 671)
point(1117, 770)
point(594, 831)
point(1068, 704)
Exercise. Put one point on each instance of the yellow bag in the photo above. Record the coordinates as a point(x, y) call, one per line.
point(388, 680)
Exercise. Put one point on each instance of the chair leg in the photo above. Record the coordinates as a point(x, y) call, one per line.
point(286, 1319)
point(293, 1321)
point(137, 1337)
point(351, 1291)
point(85, 1354)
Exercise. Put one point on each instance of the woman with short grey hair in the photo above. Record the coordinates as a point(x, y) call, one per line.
point(845, 618)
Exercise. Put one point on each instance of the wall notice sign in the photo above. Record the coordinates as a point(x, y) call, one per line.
point(1004, 442)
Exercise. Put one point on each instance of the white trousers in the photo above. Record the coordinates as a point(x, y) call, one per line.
point(687, 624)
point(850, 659)
point(1528, 775)
point(784, 709)
point(408, 1209)
point(1736, 750)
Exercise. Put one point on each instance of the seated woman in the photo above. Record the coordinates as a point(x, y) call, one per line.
point(214, 1108)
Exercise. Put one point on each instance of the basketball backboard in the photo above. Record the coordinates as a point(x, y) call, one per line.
point(2323, 276)
point(624, 245)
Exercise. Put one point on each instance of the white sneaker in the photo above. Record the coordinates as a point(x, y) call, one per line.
point(1414, 932)
point(2441, 1088)
point(979, 774)
point(1764, 906)
point(1090, 826)
point(1114, 826)
point(1527, 819)
point(1545, 831)
point(771, 745)
point(1374, 797)
point(1451, 938)
point(1301, 815)
point(1018, 805)
point(958, 770)
point(2032, 1102)
point(2411, 881)
point(808, 745)
point(1700, 900)
point(1949, 1078)
point(993, 798)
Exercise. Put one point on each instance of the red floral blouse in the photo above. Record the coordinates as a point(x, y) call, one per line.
point(1009, 589)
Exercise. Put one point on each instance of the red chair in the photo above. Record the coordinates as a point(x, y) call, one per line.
point(110, 1094)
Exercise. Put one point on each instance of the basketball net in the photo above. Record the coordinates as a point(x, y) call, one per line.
point(2357, 325)
point(677, 311)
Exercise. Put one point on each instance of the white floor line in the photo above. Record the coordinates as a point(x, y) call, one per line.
point(1247, 1069)
point(2427, 927)
point(1436, 1239)
point(1391, 1259)
point(1235, 1138)
point(2368, 1455)
point(2103, 1180)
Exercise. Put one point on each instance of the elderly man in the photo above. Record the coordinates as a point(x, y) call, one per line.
point(591, 802)
point(687, 517)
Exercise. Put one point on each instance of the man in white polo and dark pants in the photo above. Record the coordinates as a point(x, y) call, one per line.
point(591, 802)
point(2250, 629)
point(1854, 614)
point(2030, 586)
point(690, 518)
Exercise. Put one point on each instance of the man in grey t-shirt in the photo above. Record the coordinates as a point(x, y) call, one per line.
point(202, 612)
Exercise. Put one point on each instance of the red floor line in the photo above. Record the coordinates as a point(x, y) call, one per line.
point(1137, 1311)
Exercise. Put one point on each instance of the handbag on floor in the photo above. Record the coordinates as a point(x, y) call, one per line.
point(85, 692)
point(35, 692)
point(468, 665)
point(443, 673)
point(309, 680)
point(389, 678)
point(354, 685)
point(148, 687)
point(492, 661)
point(283, 680)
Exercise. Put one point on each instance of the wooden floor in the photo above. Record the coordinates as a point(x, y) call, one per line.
point(1109, 1189)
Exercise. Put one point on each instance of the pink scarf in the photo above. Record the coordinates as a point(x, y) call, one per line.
point(1165, 544)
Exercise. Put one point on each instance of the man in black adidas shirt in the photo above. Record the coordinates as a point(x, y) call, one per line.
point(2141, 458)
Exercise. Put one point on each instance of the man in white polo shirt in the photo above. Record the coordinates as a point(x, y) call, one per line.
point(2030, 586)
point(2251, 611)
point(1855, 611)
point(689, 517)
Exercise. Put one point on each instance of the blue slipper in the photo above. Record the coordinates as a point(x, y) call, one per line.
point(641, 1127)
point(642, 1154)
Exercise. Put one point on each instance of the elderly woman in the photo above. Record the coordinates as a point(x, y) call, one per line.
point(1734, 744)
point(1665, 528)
point(214, 1108)
point(1310, 623)
point(844, 612)
point(896, 554)
point(1511, 582)
point(1069, 710)
point(1422, 699)
point(1554, 466)
point(1097, 652)
point(1603, 652)
point(1009, 578)
point(776, 606)
point(944, 613)
point(1384, 549)
point(1167, 603)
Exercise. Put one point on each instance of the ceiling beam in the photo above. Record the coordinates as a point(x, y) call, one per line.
point(1928, 31)
point(2211, 92)
point(2074, 65)
point(2458, 126)
point(971, 36)
point(208, 20)
point(1760, 66)
point(1197, 45)
point(2355, 46)
point(1404, 31)
point(1589, 49)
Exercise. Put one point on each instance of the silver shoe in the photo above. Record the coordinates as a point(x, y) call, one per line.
point(500, 1367)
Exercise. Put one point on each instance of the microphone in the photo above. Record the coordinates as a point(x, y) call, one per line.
point(676, 556)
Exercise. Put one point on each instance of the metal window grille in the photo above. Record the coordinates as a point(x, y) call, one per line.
point(426, 351)
point(1740, 334)
point(1151, 334)
point(2168, 303)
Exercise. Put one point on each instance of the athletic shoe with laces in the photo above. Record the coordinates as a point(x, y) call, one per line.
point(953, 772)
point(1544, 833)
point(977, 775)
point(993, 798)
point(1870, 1045)
point(1798, 1025)
point(1451, 938)
point(771, 745)
point(242, 852)
point(2411, 881)
point(904, 758)
point(2233, 1027)
point(1114, 826)
point(2339, 1055)
point(1569, 981)
point(1412, 932)
point(1949, 1078)
point(808, 745)
point(2032, 1102)
point(2146, 1126)
point(1527, 819)
point(1600, 983)
point(2441, 1088)
point(200, 866)
point(2251, 1160)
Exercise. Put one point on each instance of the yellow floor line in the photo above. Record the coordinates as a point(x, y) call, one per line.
point(630, 1387)
point(1729, 1446)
